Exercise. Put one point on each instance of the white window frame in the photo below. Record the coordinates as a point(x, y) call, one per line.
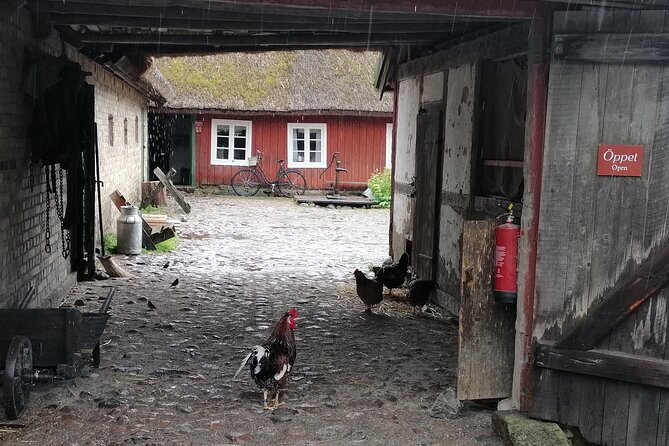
point(324, 145)
point(214, 138)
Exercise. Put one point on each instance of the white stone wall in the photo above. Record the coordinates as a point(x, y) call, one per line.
point(23, 260)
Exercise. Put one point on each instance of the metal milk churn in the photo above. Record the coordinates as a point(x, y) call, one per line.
point(129, 230)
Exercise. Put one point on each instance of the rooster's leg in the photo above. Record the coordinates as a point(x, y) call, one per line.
point(264, 400)
point(276, 400)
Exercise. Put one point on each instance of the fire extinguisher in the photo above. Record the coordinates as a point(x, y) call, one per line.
point(506, 260)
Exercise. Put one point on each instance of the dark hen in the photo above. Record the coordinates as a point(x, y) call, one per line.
point(419, 292)
point(369, 290)
point(392, 276)
point(271, 363)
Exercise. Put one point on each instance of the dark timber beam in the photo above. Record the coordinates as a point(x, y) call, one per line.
point(507, 43)
point(486, 9)
point(209, 12)
point(613, 48)
point(216, 41)
point(203, 50)
point(605, 364)
point(256, 25)
point(517, 9)
point(651, 277)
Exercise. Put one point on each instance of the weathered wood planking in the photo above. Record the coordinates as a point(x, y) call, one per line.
point(428, 128)
point(460, 110)
point(591, 412)
point(606, 239)
point(507, 43)
point(485, 360)
point(560, 145)
point(558, 168)
point(649, 48)
point(605, 364)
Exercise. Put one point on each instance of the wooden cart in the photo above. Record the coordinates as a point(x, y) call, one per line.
point(43, 344)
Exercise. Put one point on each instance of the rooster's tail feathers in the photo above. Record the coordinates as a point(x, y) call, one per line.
point(246, 360)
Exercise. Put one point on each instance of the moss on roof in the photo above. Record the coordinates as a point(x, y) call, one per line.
point(274, 81)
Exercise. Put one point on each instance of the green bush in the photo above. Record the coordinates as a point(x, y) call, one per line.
point(379, 184)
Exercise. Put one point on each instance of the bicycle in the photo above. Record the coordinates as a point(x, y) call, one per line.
point(247, 182)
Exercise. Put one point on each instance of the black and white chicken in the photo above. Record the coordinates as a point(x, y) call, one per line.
point(270, 363)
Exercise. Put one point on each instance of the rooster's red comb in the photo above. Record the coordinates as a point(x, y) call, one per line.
point(292, 312)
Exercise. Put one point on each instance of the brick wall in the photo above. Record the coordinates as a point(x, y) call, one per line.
point(23, 260)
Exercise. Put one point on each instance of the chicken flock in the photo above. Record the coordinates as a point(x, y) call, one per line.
point(270, 364)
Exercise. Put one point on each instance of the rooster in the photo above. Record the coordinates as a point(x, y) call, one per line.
point(271, 363)
point(369, 290)
point(392, 276)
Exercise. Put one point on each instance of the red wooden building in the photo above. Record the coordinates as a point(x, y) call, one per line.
point(299, 106)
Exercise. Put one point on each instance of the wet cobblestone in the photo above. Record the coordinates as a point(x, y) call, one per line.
point(359, 378)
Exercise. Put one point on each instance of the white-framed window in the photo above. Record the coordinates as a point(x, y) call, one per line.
point(307, 145)
point(230, 142)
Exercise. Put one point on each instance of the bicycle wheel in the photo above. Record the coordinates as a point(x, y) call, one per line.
point(291, 183)
point(246, 183)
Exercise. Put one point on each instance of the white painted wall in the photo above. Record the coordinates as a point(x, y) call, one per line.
point(433, 88)
point(456, 171)
point(405, 164)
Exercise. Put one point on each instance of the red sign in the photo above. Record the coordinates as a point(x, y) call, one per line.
point(620, 161)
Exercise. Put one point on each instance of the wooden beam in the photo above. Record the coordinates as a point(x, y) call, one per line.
point(605, 364)
point(518, 9)
point(209, 12)
point(172, 190)
point(487, 9)
point(190, 50)
point(651, 277)
point(511, 41)
point(216, 41)
point(538, 64)
point(652, 48)
point(259, 25)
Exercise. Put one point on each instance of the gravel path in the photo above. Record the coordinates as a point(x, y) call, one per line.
point(166, 373)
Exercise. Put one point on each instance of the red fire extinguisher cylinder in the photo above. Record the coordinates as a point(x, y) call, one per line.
point(506, 261)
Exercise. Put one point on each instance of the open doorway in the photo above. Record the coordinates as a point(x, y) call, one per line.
point(171, 146)
point(501, 132)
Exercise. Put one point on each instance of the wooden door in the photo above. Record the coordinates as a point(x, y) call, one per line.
point(602, 302)
point(428, 169)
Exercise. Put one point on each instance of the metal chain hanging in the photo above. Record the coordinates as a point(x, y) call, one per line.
point(60, 211)
point(32, 177)
point(47, 230)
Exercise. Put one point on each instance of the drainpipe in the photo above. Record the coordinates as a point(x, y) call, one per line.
point(537, 82)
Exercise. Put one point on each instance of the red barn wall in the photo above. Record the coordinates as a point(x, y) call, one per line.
point(360, 140)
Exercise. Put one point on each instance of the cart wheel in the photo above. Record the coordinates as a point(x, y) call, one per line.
point(17, 377)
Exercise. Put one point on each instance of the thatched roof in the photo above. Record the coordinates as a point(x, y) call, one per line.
point(328, 80)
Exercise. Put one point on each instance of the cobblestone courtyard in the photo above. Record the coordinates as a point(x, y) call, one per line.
point(166, 374)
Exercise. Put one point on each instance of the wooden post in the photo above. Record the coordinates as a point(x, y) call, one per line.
point(538, 67)
point(153, 193)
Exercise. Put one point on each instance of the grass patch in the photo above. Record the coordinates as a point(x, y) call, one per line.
point(168, 245)
point(111, 243)
point(150, 209)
